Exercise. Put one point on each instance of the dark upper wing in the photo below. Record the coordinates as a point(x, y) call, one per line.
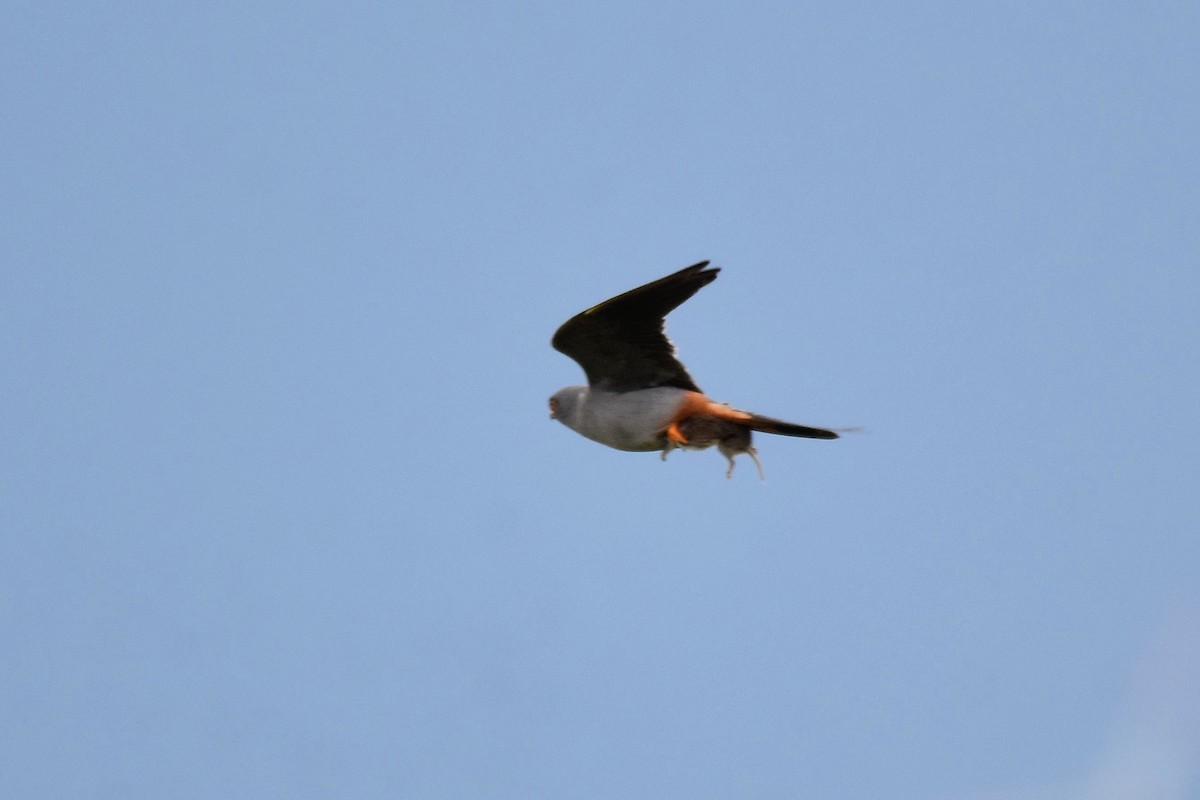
point(620, 343)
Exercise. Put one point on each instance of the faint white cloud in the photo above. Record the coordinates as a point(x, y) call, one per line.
point(1153, 750)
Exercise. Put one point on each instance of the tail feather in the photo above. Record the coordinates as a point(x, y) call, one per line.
point(769, 425)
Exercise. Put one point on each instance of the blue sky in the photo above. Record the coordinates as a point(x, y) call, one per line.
point(283, 515)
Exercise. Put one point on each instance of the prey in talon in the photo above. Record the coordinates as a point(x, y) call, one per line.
point(703, 431)
point(639, 397)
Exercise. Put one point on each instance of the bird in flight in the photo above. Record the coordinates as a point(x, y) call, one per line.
point(639, 396)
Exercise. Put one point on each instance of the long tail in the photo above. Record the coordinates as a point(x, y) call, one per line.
point(769, 425)
point(697, 403)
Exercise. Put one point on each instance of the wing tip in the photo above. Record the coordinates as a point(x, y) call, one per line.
point(688, 280)
point(702, 268)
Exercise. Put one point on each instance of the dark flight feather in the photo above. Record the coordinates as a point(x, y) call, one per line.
point(621, 344)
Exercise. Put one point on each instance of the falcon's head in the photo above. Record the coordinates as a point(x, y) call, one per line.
point(564, 402)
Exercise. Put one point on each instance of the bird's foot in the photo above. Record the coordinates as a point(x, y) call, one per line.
point(674, 437)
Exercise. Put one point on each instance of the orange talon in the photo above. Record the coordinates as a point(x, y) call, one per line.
point(674, 436)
